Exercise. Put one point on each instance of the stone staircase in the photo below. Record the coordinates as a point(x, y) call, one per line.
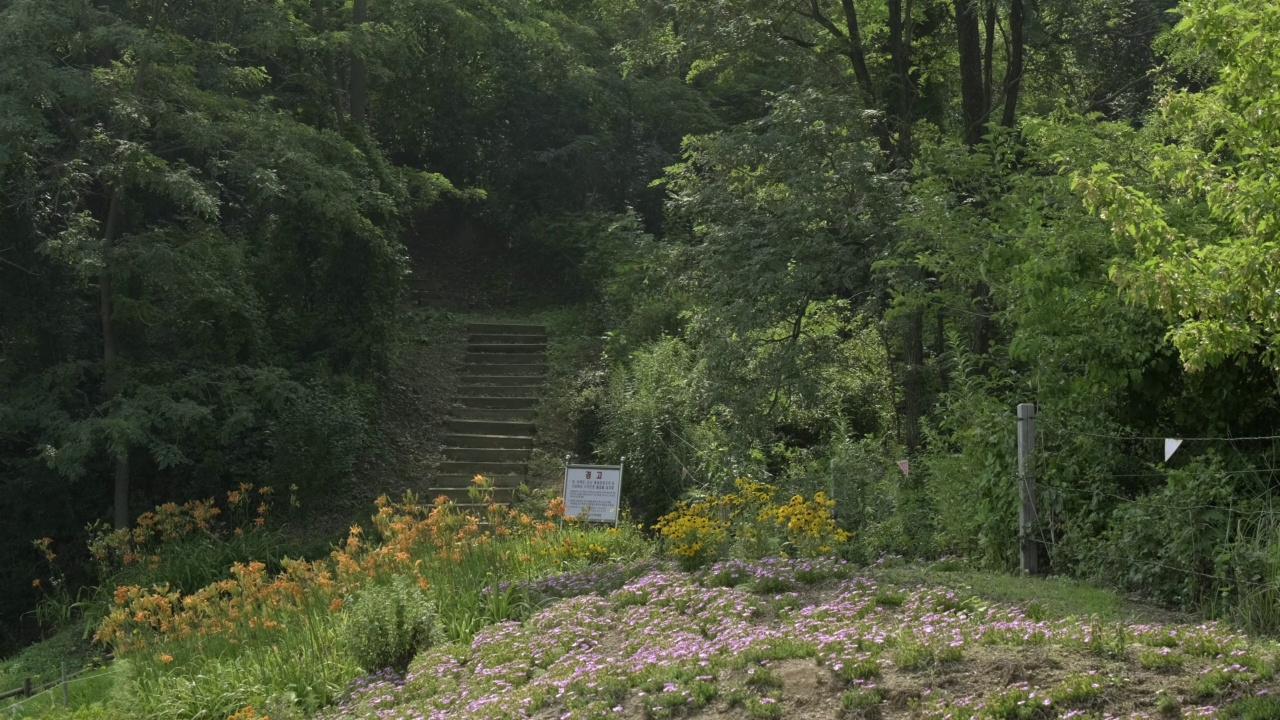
point(491, 424)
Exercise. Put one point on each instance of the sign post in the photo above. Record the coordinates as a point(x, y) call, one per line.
point(593, 492)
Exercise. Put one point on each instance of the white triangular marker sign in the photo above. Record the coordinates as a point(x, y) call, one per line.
point(1170, 447)
point(906, 466)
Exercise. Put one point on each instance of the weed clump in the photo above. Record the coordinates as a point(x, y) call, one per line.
point(389, 623)
point(860, 699)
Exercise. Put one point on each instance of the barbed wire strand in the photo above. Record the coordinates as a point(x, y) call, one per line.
point(1112, 436)
point(1049, 489)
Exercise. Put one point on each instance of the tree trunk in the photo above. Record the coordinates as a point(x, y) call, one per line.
point(857, 54)
point(913, 385)
point(1013, 75)
point(110, 351)
point(940, 345)
point(975, 94)
point(988, 50)
point(968, 44)
point(913, 380)
point(121, 495)
point(900, 52)
point(982, 329)
point(359, 80)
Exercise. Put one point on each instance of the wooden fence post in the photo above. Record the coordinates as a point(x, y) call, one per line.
point(1027, 487)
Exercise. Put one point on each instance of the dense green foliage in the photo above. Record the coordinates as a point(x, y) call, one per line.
point(202, 263)
point(205, 210)
point(390, 623)
point(888, 247)
point(817, 238)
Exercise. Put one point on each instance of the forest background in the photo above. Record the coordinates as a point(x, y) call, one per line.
point(817, 237)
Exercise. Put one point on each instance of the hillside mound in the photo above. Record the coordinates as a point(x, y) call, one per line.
point(814, 639)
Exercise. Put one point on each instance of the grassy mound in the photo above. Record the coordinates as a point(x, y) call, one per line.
point(815, 639)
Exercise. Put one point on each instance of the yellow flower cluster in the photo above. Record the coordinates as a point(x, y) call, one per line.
point(809, 526)
point(696, 531)
point(699, 532)
point(752, 494)
point(579, 546)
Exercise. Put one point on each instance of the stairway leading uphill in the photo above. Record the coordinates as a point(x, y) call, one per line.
point(491, 426)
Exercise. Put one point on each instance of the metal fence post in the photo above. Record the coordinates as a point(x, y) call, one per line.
point(1027, 487)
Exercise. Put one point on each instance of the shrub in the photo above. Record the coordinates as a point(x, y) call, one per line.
point(699, 532)
point(811, 531)
point(856, 670)
point(1079, 690)
point(1162, 659)
point(650, 403)
point(860, 698)
point(912, 655)
point(317, 440)
point(388, 624)
point(696, 533)
point(1258, 707)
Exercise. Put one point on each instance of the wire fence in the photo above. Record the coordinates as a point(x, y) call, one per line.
point(1242, 514)
point(29, 691)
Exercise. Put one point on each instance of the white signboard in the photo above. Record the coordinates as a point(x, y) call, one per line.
point(595, 489)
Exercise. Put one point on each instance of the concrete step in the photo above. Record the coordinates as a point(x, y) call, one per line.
point(495, 402)
point(487, 454)
point(490, 369)
point(506, 338)
point(475, 358)
point(477, 509)
point(466, 467)
point(459, 440)
point(465, 481)
point(468, 426)
point(507, 348)
point(506, 329)
point(499, 414)
point(461, 498)
point(470, 381)
point(499, 391)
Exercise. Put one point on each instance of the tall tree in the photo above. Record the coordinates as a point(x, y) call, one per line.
point(359, 72)
point(169, 172)
point(973, 98)
point(1013, 72)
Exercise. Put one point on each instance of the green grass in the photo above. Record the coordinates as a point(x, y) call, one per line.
point(912, 656)
point(92, 687)
point(310, 667)
point(860, 699)
point(762, 679)
point(859, 670)
point(1263, 707)
point(1079, 690)
point(1160, 660)
point(308, 663)
point(43, 661)
point(1046, 597)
